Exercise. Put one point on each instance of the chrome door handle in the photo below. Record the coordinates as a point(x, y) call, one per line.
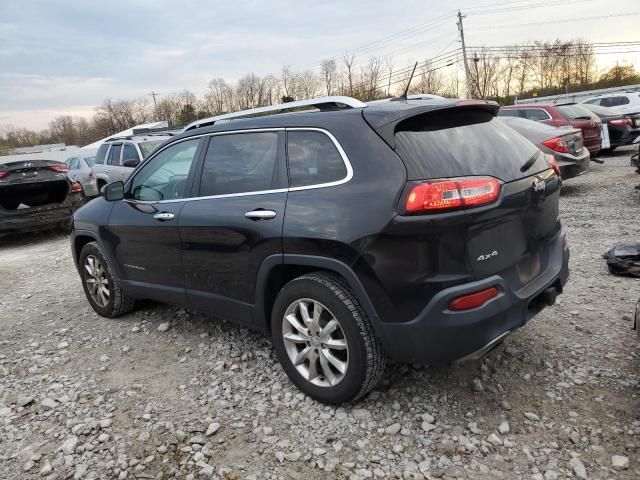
point(164, 216)
point(260, 214)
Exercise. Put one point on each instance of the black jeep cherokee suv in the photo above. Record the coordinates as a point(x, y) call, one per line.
point(423, 231)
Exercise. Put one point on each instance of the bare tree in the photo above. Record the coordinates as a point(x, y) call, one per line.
point(328, 72)
point(289, 83)
point(309, 84)
point(348, 60)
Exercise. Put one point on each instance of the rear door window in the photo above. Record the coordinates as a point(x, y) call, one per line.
point(510, 112)
point(313, 159)
point(240, 163)
point(464, 142)
point(129, 152)
point(102, 153)
point(114, 154)
point(536, 114)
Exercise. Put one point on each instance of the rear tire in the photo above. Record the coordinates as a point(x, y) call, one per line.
point(336, 367)
point(100, 286)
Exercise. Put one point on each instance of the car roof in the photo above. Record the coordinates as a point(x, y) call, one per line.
point(377, 113)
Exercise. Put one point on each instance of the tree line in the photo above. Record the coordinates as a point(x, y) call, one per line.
point(497, 73)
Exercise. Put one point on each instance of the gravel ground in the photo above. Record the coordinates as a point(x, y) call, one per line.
point(164, 392)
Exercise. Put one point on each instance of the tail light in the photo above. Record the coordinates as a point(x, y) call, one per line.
point(553, 163)
point(557, 145)
point(62, 168)
point(4, 173)
point(621, 122)
point(91, 174)
point(473, 300)
point(76, 187)
point(459, 193)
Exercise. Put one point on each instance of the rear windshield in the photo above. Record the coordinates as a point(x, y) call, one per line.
point(464, 142)
point(147, 148)
point(90, 160)
point(576, 112)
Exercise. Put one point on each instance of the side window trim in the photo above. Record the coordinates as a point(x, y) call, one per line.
point(196, 167)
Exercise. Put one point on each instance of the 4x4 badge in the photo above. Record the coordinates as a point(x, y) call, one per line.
point(487, 256)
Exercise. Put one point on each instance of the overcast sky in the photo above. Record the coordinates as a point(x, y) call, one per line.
point(66, 56)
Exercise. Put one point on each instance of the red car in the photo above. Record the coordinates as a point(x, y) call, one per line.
point(572, 115)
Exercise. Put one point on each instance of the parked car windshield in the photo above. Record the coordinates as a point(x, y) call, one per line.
point(576, 112)
point(147, 148)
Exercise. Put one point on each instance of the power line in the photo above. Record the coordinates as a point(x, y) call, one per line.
point(565, 20)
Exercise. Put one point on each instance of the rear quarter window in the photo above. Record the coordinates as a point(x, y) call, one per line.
point(463, 142)
point(313, 159)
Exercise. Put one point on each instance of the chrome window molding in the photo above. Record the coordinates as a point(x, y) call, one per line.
point(341, 151)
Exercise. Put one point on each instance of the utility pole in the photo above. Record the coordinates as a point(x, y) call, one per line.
point(464, 54)
point(154, 94)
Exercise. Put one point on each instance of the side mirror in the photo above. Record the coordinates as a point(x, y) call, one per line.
point(131, 163)
point(113, 191)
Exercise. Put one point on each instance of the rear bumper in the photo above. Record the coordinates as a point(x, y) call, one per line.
point(593, 144)
point(572, 166)
point(90, 188)
point(439, 335)
point(38, 218)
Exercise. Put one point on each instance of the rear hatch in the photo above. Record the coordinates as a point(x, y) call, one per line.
point(581, 118)
point(32, 183)
point(509, 234)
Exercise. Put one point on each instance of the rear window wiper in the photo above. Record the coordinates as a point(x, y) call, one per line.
point(583, 118)
point(529, 163)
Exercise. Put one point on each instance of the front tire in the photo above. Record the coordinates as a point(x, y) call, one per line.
point(324, 340)
point(100, 286)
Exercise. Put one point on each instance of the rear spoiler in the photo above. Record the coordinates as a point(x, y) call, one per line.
point(386, 120)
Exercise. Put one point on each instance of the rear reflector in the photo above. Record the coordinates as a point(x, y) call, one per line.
point(473, 300)
point(436, 196)
point(557, 144)
point(62, 168)
point(551, 160)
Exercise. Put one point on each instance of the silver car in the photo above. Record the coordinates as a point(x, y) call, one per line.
point(80, 170)
point(117, 157)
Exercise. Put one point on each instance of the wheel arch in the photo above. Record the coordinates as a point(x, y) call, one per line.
point(277, 270)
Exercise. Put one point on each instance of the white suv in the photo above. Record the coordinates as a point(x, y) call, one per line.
point(117, 157)
point(626, 102)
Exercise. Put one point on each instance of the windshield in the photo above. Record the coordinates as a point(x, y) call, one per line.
point(147, 148)
point(576, 112)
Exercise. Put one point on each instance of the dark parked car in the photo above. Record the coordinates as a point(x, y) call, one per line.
point(564, 143)
point(422, 230)
point(572, 115)
point(617, 126)
point(36, 195)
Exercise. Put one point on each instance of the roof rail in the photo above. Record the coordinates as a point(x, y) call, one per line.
point(321, 103)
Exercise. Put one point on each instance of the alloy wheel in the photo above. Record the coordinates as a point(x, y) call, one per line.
point(315, 343)
point(96, 279)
